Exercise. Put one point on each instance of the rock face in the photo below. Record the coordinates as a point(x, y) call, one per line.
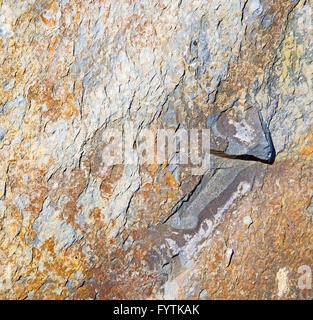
point(75, 225)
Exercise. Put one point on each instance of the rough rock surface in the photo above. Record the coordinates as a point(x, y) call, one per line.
point(75, 227)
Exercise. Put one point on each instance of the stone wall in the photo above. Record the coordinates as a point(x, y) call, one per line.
point(73, 226)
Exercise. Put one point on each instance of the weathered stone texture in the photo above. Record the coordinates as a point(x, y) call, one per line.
point(74, 227)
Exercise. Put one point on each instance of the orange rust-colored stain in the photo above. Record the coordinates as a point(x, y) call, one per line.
point(164, 165)
point(171, 180)
point(107, 185)
point(83, 7)
point(41, 92)
point(70, 109)
point(146, 190)
point(307, 149)
point(48, 22)
point(113, 223)
point(106, 190)
point(77, 17)
point(152, 169)
point(157, 188)
point(53, 41)
point(172, 195)
point(49, 245)
point(97, 213)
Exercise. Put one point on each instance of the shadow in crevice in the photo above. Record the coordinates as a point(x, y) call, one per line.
point(245, 157)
